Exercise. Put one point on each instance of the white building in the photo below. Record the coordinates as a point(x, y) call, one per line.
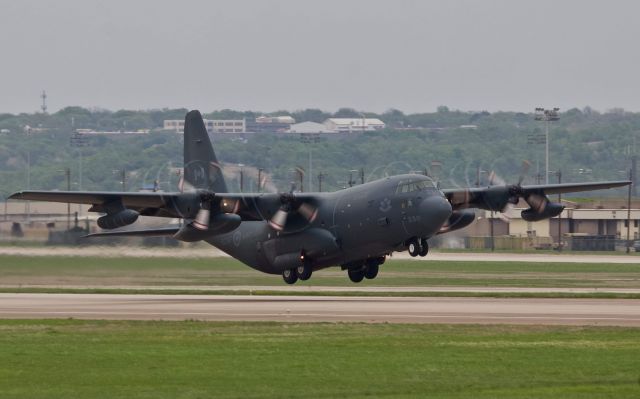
point(310, 127)
point(275, 119)
point(212, 125)
point(354, 125)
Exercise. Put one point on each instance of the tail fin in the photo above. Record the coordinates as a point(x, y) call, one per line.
point(201, 168)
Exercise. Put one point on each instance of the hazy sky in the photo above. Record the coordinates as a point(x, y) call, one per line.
point(369, 55)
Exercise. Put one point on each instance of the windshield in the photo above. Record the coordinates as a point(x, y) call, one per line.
point(415, 185)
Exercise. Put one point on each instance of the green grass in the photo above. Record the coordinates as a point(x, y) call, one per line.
point(61, 271)
point(431, 294)
point(119, 359)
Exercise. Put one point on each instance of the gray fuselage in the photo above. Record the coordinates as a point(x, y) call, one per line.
point(354, 224)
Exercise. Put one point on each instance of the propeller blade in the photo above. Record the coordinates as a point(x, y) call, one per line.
point(506, 212)
point(495, 180)
point(201, 222)
point(308, 211)
point(537, 202)
point(525, 170)
point(279, 219)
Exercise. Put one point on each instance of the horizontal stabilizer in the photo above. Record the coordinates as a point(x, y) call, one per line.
point(160, 232)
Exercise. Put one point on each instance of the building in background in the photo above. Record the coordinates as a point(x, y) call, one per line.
point(111, 132)
point(310, 127)
point(270, 124)
point(212, 125)
point(354, 125)
point(262, 124)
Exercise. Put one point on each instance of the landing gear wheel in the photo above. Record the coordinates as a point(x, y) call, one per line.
point(289, 276)
point(304, 271)
point(424, 247)
point(356, 275)
point(373, 266)
point(414, 248)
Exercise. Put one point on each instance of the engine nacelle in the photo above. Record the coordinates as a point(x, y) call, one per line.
point(552, 209)
point(458, 220)
point(220, 223)
point(119, 219)
point(284, 252)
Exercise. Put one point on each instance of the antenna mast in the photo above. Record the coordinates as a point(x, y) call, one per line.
point(44, 102)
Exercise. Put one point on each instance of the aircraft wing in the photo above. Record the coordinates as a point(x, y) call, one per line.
point(574, 187)
point(147, 204)
point(495, 198)
point(249, 206)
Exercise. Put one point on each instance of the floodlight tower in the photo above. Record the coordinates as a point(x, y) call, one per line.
point(548, 116)
point(44, 102)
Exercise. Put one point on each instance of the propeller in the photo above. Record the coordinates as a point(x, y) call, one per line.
point(203, 216)
point(290, 205)
point(514, 192)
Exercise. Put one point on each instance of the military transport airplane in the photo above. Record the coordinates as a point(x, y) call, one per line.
point(294, 234)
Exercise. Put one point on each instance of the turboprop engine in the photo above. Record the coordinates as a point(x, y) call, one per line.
point(458, 220)
point(122, 218)
point(550, 209)
point(218, 223)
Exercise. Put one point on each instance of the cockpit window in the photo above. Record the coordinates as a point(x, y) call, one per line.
point(410, 186)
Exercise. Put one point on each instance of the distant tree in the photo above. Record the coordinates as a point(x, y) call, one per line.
point(311, 114)
point(394, 118)
point(347, 113)
point(442, 109)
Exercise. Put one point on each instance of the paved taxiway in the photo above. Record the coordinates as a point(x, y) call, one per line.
point(211, 252)
point(306, 289)
point(612, 312)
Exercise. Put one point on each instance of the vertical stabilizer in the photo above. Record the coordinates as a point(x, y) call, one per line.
point(201, 167)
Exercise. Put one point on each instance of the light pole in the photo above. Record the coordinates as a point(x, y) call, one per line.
point(351, 182)
point(321, 176)
point(300, 172)
point(260, 179)
point(123, 176)
point(78, 140)
point(559, 174)
point(629, 212)
point(309, 139)
point(547, 116)
point(28, 203)
point(67, 174)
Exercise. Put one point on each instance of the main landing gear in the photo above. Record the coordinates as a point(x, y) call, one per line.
point(367, 269)
point(356, 271)
point(418, 247)
point(302, 272)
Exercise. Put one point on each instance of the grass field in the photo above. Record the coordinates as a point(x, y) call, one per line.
point(129, 271)
point(117, 359)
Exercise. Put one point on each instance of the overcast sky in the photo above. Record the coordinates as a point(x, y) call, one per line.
point(368, 55)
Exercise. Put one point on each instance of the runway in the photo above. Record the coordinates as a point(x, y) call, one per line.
point(609, 312)
point(212, 252)
point(315, 289)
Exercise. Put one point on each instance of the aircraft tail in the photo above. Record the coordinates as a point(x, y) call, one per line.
point(201, 167)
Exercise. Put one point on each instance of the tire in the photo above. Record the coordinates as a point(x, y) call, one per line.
point(373, 266)
point(304, 271)
point(356, 275)
point(424, 247)
point(289, 276)
point(414, 248)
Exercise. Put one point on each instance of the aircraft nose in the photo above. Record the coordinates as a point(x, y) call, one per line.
point(435, 211)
